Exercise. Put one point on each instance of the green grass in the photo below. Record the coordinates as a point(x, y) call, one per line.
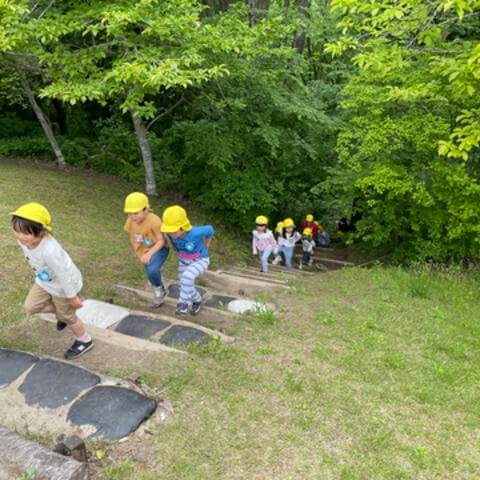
point(361, 374)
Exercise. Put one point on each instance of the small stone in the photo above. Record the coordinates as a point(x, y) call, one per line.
point(72, 446)
point(135, 378)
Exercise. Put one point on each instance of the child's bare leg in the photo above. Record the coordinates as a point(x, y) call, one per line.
point(78, 329)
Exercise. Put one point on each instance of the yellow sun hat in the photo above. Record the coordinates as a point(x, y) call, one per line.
point(136, 202)
point(261, 220)
point(35, 212)
point(175, 219)
point(307, 232)
point(288, 222)
point(279, 227)
point(309, 217)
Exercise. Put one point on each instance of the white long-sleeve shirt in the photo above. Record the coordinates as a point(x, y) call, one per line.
point(53, 268)
point(289, 240)
point(308, 244)
point(263, 241)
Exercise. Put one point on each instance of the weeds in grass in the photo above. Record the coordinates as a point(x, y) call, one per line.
point(293, 384)
point(30, 474)
point(265, 350)
point(213, 347)
point(123, 471)
point(264, 318)
point(324, 318)
point(394, 361)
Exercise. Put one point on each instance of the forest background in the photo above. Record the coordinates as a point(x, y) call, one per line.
point(364, 109)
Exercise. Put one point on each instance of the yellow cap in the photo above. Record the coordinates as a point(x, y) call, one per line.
point(309, 217)
point(316, 223)
point(261, 220)
point(175, 219)
point(288, 222)
point(307, 232)
point(136, 202)
point(35, 212)
point(279, 227)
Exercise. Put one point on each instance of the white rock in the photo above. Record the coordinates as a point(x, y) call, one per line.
point(244, 306)
point(101, 314)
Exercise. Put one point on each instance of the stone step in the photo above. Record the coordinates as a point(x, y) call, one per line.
point(46, 397)
point(241, 284)
point(272, 278)
point(140, 330)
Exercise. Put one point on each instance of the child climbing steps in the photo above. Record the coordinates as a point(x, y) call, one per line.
point(263, 241)
point(58, 281)
point(191, 244)
point(286, 242)
point(148, 242)
point(308, 244)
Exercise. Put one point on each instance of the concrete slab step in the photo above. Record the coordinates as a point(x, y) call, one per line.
point(46, 398)
point(264, 278)
point(112, 337)
point(241, 285)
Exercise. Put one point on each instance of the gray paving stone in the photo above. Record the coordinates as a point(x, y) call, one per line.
point(219, 301)
point(174, 291)
point(141, 326)
point(114, 411)
point(51, 384)
point(13, 364)
point(180, 335)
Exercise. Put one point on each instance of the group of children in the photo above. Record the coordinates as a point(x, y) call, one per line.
point(281, 242)
point(58, 281)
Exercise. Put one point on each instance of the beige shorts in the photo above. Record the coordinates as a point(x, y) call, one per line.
point(40, 301)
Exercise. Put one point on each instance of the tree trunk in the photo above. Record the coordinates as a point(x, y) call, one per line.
point(141, 132)
point(299, 39)
point(61, 116)
point(257, 10)
point(44, 122)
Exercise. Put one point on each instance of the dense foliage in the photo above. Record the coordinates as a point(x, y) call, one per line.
point(362, 109)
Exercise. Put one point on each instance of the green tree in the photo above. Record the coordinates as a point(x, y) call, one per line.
point(19, 61)
point(130, 53)
point(408, 149)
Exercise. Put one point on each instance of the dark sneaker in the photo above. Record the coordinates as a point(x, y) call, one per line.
point(195, 308)
point(78, 349)
point(60, 325)
point(182, 309)
point(159, 294)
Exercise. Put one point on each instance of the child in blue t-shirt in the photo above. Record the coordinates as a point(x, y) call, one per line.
point(191, 245)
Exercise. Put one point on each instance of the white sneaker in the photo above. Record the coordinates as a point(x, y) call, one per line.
point(277, 260)
point(159, 294)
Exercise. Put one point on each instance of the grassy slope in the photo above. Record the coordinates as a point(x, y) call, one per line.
point(87, 211)
point(364, 374)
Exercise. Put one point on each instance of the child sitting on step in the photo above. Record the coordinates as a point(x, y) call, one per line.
point(308, 244)
point(148, 242)
point(263, 241)
point(191, 245)
point(58, 281)
point(286, 242)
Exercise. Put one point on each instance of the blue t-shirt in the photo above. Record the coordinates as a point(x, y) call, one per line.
point(192, 246)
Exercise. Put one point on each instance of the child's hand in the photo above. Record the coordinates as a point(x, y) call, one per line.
point(76, 302)
point(145, 258)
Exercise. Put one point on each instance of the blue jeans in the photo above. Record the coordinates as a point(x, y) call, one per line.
point(288, 254)
point(264, 256)
point(153, 268)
